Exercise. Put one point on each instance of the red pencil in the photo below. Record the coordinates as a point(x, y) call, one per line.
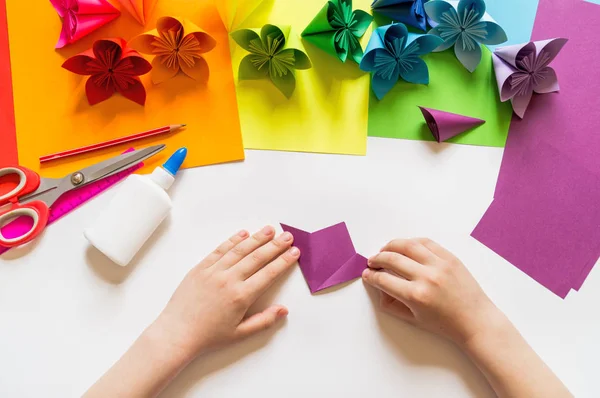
point(107, 144)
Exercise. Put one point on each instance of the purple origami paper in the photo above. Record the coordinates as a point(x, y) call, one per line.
point(328, 256)
point(445, 125)
point(548, 223)
point(523, 69)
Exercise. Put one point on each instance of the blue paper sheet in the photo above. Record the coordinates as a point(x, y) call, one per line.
point(516, 17)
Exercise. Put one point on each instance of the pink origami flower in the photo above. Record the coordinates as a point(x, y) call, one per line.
point(178, 45)
point(112, 67)
point(82, 17)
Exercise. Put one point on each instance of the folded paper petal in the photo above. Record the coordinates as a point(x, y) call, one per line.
point(393, 52)
point(523, 69)
point(469, 58)
point(409, 12)
point(269, 58)
point(112, 67)
point(446, 125)
point(178, 45)
point(141, 10)
point(337, 29)
point(466, 27)
point(436, 8)
point(82, 17)
point(328, 257)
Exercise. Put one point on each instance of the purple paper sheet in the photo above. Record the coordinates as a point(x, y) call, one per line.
point(548, 223)
point(328, 257)
point(549, 163)
point(568, 120)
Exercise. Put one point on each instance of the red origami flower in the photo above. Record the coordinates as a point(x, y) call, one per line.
point(112, 67)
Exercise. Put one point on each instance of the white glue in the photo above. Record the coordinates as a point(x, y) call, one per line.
point(136, 211)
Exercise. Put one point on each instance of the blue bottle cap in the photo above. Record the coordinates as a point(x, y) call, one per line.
point(175, 161)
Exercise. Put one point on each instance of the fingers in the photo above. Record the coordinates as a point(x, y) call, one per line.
point(394, 286)
point(261, 321)
point(436, 249)
point(397, 263)
point(245, 247)
point(412, 249)
point(223, 248)
point(263, 279)
point(263, 255)
point(395, 308)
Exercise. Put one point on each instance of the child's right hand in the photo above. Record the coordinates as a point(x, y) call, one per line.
point(425, 285)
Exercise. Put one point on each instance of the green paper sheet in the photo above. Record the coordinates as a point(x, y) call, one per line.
point(451, 88)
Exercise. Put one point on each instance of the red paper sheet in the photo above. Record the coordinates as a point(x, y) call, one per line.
point(8, 136)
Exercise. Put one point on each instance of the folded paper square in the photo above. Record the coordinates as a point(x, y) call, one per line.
point(234, 13)
point(337, 29)
point(409, 12)
point(445, 125)
point(393, 53)
point(112, 67)
point(465, 26)
point(139, 9)
point(269, 58)
point(328, 257)
point(523, 69)
point(177, 45)
point(82, 17)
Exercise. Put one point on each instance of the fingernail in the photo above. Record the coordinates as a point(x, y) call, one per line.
point(282, 312)
point(286, 237)
point(294, 251)
point(366, 273)
point(268, 230)
point(243, 233)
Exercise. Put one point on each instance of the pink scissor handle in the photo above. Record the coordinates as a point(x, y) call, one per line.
point(37, 211)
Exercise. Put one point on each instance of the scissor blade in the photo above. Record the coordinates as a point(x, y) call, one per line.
point(94, 173)
point(119, 163)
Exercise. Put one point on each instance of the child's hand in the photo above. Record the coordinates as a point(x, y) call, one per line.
point(208, 309)
point(424, 284)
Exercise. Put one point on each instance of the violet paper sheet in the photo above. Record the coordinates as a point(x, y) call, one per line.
point(567, 120)
point(328, 257)
point(545, 221)
point(548, 224)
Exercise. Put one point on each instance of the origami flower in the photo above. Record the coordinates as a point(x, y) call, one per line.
point(82, 17)
point(112, 67)
point(268, 57)
point(178, 45)
point(139, 9)
point(392, 53)
point(523, 69)
point(409, 12)
point(463, 28)
point(337, 29)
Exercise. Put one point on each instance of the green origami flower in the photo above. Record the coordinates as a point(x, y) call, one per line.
point(268, 58)
point(337, 29)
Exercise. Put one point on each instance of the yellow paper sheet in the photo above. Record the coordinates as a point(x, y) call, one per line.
point(53, 115)
point(329, 110)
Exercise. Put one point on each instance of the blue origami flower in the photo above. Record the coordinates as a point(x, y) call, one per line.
point(463, 28)
point(393, 53)
point(409, 12)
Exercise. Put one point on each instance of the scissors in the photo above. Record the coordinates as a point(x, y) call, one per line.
point(33, 196)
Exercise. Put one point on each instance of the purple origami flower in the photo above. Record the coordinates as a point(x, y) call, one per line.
point(523, 69)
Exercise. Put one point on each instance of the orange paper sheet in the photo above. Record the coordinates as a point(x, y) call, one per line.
point(8, 143)
point(53, 115)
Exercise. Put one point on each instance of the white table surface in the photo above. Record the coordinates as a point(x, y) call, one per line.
point(67, 313)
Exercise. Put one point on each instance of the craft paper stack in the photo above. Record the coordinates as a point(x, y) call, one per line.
point(545, 218)
point(327, 112)
point(53, 114)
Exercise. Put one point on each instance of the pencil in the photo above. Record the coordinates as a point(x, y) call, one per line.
point(107, 144)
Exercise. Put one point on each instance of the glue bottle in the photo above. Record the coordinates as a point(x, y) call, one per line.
point(133, 215)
